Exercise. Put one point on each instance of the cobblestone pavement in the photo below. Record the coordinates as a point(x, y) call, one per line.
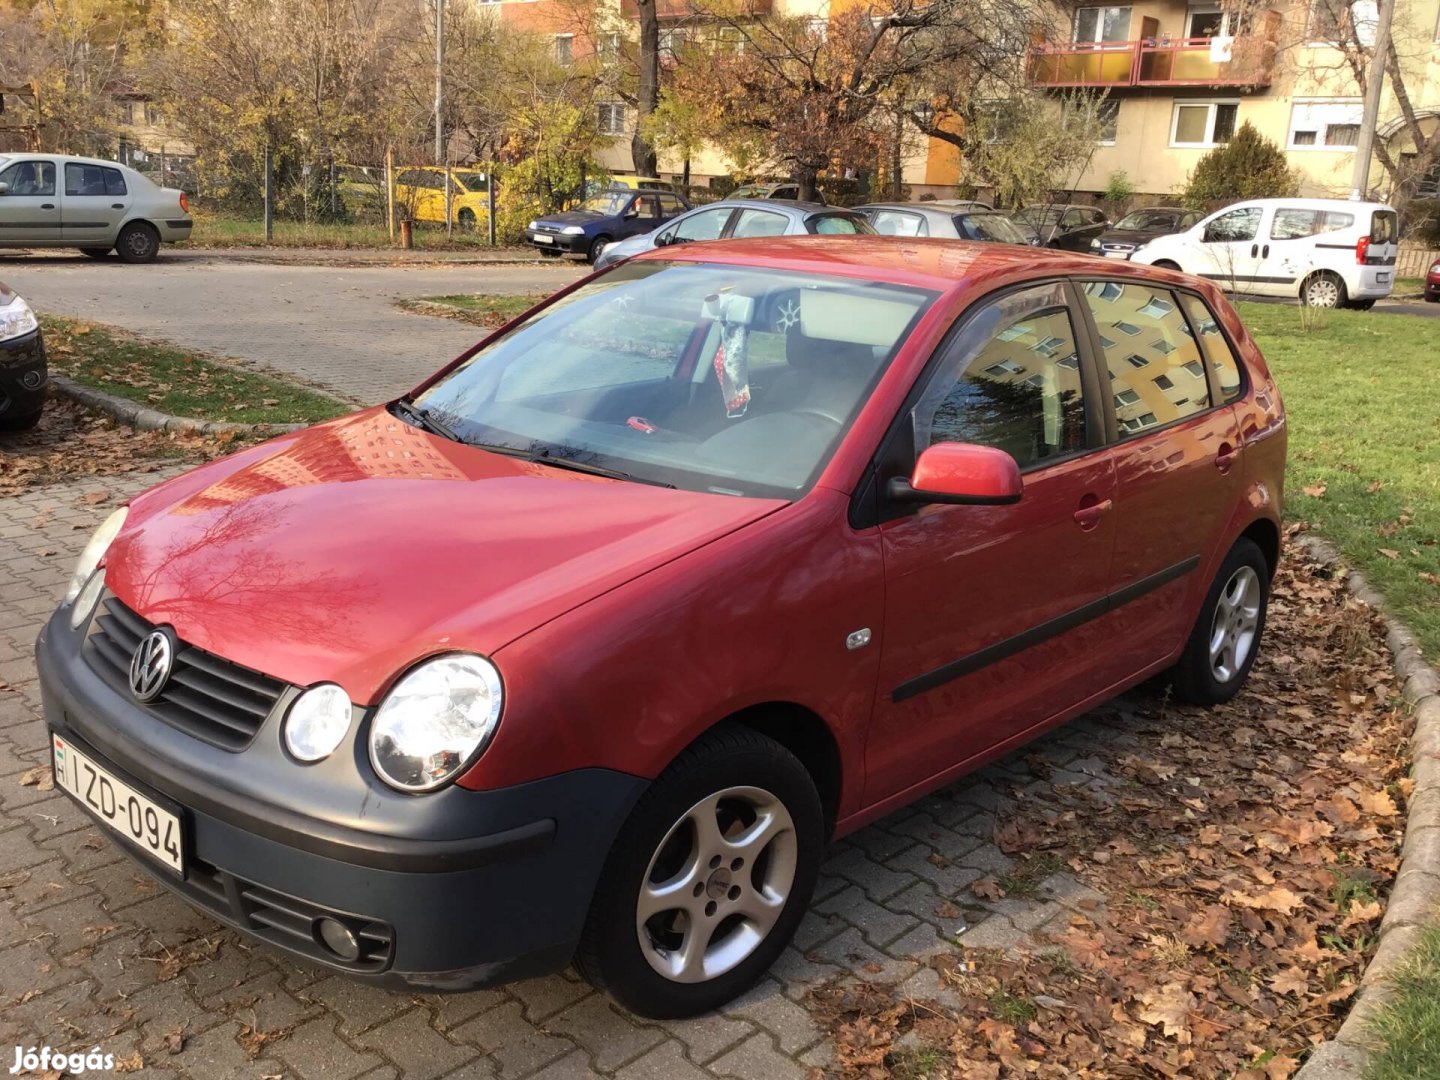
point(92, 952)
point(337, 327)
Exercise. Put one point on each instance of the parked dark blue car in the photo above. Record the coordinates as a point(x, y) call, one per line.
point(603, 219)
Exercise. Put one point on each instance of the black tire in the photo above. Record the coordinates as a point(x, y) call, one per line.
point(1166, 264)
point(96, 253)
point(1198, 679)
point(728, 759)
point(1360, 305)
point(599, 244)
point(467, 220)
point(547, 254)
point(138, 242)
point(1323, 289)
point(19, 423)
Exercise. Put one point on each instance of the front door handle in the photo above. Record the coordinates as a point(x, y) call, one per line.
point(1254, 250)
point(1087, 517)
point(47, 206)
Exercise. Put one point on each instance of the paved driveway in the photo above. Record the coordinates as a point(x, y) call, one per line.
point(94, 952)
point(335, 326)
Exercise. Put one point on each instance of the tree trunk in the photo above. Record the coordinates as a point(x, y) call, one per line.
point(642, 154)
point(685, 176)
point(805, 176)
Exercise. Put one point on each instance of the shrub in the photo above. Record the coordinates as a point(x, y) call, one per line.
point(1118, 189)
point(1249, 166)
point(1422, 222)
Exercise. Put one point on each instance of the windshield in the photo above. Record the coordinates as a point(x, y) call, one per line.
point(995, 227)
point(608, 203)
point(1039, 215)
point(1149, 219)
point(729, 379)
point(471, 181)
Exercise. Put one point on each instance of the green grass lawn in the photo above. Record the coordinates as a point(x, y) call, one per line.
point(487, 309)
point(216, 231)
point(1364, 417)
point(1408, 1026)
point(175, 381)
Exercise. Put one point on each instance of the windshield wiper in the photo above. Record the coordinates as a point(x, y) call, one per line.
point(543, 456)
point(424, 419)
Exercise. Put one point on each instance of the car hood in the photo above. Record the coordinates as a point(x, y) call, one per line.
point(1132, 236)
point(572, 217)
point(346, 552)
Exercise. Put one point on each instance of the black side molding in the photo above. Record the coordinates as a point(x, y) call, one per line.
point(1036, 634)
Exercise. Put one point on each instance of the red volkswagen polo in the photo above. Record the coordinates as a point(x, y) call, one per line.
point(584, 649)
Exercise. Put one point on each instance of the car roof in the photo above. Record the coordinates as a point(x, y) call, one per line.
point(797, 205)
point(941, 265)
point(1309, 204)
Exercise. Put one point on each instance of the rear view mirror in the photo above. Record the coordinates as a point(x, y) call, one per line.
point(961, 474)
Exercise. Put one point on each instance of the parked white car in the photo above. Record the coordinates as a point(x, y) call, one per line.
point(1328, 252)
point(51, 200)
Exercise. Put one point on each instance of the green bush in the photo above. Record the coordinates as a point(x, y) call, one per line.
point(1118, 188)
point(1422, 222)
point(1249, 166)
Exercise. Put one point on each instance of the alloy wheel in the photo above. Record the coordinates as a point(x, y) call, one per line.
point(1233, 629)
point(716, 884)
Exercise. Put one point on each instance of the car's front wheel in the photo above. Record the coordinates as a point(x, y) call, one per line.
point(138, 243)
point(599, 244)
point(19, 423)
point(1226, 638)
point(467, 219)
point(708, 879)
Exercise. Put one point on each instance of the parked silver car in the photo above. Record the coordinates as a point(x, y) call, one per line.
point(51, 200)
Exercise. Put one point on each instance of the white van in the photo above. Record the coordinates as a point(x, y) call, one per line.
point(1328, 252)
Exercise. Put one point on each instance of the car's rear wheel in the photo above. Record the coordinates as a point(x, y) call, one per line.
point(138, 243)
point(708, 879)
point(1226, 638)
point(1323, 290)
point(95, 253)
point(599, 244)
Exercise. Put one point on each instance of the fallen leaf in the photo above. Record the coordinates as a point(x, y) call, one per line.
point(1291, 980)
point(41, 778)
point(1379, 803)
point(1315, 491)
point(1168, 1009)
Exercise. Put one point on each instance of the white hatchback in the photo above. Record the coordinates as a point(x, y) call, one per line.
point(50, 200)
point(1328, 252)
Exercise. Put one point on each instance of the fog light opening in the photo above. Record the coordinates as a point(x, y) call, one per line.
point(338, 938)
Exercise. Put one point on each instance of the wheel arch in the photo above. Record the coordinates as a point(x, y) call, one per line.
point(1265, 535)
point(805, 734)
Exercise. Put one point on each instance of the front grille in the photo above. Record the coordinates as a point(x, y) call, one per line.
point(283, 921)
point(207, 696)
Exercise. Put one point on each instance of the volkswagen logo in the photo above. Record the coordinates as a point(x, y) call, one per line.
point(150, 666)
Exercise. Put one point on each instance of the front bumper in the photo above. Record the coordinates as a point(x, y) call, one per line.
point(23, 375)
point(456, 889)
point(548, 241)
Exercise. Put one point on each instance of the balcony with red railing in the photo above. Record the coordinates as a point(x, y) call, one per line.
point(1246, 60)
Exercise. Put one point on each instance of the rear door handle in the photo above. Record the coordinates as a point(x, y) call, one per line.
point(1087, 517)
point(1227, 457)
point(117, 206)
point(1265, 252)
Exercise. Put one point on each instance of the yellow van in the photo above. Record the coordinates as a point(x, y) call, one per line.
point(420, 195)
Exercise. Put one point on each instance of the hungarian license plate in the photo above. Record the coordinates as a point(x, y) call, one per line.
point(541, 238)
point(1117, 254)
point(1383, 277)
point(135, 816)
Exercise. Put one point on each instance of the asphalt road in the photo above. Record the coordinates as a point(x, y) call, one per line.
point(336, 326)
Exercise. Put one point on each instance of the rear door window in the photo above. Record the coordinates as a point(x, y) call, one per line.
point(83, 180)
point(1147, 345)
point(1217, 350)
point(1384, 227)
point(833, 225)
point(899, 223)
point(760, 223)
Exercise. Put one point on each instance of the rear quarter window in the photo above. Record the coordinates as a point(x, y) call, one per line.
point(1218, 353)
point(1384, 227)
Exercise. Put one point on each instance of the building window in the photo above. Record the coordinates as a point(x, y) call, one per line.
point(611, 117)
point(1102, 24)
point(1329, 124)
point(730, 39)
point(564, 49)
point(1332, 22)
point(607, 46)
point(1203, 123)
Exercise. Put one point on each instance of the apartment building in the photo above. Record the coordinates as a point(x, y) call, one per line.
point(1180, 77)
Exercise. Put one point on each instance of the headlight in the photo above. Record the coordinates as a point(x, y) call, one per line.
point(17, 320)
point(533, 225)
point(94, 552)
point(85, 602)
point(316, 722)
point(436, 720)
point(1095, 244)
point(573, 230)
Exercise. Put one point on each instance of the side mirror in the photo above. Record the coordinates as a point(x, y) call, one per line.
point(663, 239)
point(961, 474)
point(4, 187)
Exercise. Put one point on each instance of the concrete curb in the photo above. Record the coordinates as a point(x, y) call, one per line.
point(1413, 899)
point(146, 419)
